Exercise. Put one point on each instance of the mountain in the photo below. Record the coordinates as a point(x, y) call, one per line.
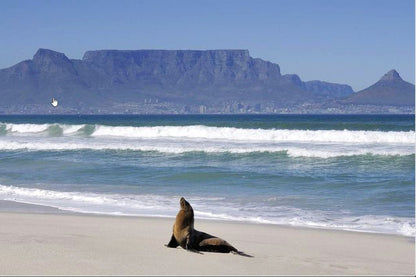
point(389, 90)
point(111, 79)
point(329, 90)
point(159, 81)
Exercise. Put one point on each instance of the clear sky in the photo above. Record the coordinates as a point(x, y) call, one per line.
point(343, 41)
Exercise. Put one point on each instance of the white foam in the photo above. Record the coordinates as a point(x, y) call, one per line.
point(167, 206)
point(269, 135)
point(407, 229)
point(227, 133)
point(87, 201)
point(332, 152)
point(185, 139)
point(26, 128)
point(170, 147)
point(15, 129)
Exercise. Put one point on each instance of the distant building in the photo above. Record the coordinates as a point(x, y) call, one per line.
point(240, 108)
point(202, 109)
point(228, 109)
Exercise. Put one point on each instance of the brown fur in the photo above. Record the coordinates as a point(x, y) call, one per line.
point(187, 237)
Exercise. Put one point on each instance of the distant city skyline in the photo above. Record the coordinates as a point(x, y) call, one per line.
point(351, 42)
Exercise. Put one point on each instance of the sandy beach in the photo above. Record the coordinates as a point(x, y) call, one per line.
point(73, 244)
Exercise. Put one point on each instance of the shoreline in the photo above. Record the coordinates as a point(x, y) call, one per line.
point(74, 243)
point(8, 206)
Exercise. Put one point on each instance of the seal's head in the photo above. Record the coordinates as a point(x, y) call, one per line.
point(185, 204)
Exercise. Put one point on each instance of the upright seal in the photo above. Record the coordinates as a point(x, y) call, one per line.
point(185, 235)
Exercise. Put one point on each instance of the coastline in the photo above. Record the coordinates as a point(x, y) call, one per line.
point(62, 243)
point(8, 206)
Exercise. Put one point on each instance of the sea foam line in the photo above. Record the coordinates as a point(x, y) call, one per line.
point(310, 150)
point(267, 135)
point(167, 206)
point(28, 128)
point(216, 133)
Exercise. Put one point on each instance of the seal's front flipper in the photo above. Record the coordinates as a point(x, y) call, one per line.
point(172, 243)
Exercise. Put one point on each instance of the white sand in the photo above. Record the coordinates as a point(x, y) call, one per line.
point(65, 244)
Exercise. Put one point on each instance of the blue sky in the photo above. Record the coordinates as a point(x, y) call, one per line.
point(343, 41)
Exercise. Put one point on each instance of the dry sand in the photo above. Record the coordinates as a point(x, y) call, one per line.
point(65, 244)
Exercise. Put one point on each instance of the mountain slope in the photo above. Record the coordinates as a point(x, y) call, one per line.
point(389, 90)
point(177, 81)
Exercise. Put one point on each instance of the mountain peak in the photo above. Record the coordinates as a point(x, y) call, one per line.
point(390, 90)
point(391, 76)
point(50, 61)
point(43, 54)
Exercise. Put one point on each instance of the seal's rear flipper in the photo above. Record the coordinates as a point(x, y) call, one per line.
point(241, 253)
point(214, 244)
point(172, 243)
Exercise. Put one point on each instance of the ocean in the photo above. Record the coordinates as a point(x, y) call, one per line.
point(346, 172)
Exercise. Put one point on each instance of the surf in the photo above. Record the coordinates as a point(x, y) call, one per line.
point(213, 133)
point(164, 206)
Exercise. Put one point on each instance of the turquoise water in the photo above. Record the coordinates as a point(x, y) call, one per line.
point(325, 171)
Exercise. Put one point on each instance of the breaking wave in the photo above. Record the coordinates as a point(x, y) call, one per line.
point(211, 133)
point(198, 138)
point(329, 151)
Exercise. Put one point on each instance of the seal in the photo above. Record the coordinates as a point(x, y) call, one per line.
point(183, 227)
point(185, 235)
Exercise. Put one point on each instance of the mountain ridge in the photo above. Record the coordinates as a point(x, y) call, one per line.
point(177, 80)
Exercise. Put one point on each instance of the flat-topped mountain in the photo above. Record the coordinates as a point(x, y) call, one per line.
point(158, 81)
point(389, 90)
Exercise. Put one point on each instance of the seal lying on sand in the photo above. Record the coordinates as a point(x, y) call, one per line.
point(188, 238)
